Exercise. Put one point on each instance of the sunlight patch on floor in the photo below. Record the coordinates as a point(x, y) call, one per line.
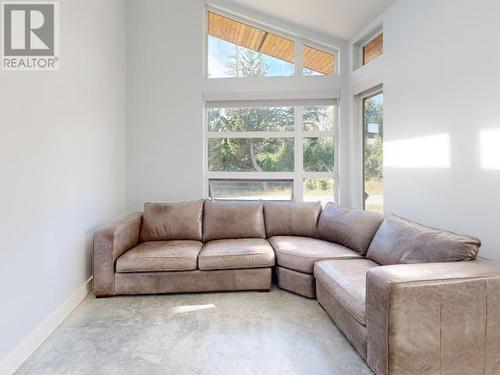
point(191, 308)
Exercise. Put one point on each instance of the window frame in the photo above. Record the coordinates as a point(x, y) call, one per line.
point(298, 41)
point(298, 134)
point(359, 44)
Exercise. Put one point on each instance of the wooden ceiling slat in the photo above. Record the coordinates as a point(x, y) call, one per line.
point(240, 35)
point(279, 47)
point(233, 31)
point(318, 61)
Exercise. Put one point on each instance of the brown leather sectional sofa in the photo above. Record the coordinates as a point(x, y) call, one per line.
point(411, 299)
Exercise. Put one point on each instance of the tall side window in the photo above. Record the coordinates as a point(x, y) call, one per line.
point(373, 135)
point(272, 152)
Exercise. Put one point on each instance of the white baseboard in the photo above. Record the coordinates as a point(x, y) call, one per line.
point(16, 357)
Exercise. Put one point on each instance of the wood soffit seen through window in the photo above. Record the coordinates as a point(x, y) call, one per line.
point(373, 49)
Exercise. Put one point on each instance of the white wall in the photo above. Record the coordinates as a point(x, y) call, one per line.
point(442, 77)
point(164, 101)
point(62, 171)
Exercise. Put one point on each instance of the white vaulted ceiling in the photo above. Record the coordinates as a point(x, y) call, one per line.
point(340, 18)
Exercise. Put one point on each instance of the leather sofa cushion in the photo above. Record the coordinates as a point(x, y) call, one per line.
point(399, 240)
point(300, 253)
point(345, 282)
point(225, 219)
point(236, 253)
point(352, 228)
point(155, 256)
point(172, 221)
point(291, 218)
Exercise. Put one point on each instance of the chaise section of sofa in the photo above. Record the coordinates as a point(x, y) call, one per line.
point(419, 304)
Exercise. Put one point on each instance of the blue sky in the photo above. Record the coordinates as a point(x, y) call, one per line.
point(219, 50)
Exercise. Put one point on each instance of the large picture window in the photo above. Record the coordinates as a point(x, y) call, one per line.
point(239, 49)
point(269, 151)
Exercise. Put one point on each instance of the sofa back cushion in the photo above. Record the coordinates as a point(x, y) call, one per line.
point(172, 221)
point(227, 219)
point(399, 240)
point(291, 218)
point(352, 228)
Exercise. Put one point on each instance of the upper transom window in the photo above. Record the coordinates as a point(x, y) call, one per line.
point(237, 49)
point(373, 48)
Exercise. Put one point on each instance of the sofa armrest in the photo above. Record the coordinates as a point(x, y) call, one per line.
point(434, 318)
point(110, 242)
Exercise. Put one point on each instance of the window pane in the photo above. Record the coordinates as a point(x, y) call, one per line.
point(250, 119)
point(373, 125)
point(317, 62)
point(373, 49)
point(319, 118)
point(318, 189)
point(251, 154)
point(318, 154)
point(281, 190)
point(239, 50)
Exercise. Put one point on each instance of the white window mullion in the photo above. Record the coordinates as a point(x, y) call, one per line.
point(205, 154)
point(299, 58)
point(252, 175)
point(336, 142)
point(319, 134)
point(251, 134)
point(317, 175)
point(299, 155)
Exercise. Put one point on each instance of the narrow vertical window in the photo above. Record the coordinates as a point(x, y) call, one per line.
point(373, 134)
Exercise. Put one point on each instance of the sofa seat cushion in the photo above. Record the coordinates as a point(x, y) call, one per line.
point(155, 256)
point(345, 281)
point(236, 253)
point(300, 253)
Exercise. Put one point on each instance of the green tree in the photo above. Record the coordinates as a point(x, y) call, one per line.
point(250, 154)
point(264, 154)
point(318, 154)
point(373, 114)
point(246, 63)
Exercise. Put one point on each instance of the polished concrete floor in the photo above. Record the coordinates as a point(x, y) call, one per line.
point(212, 333)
